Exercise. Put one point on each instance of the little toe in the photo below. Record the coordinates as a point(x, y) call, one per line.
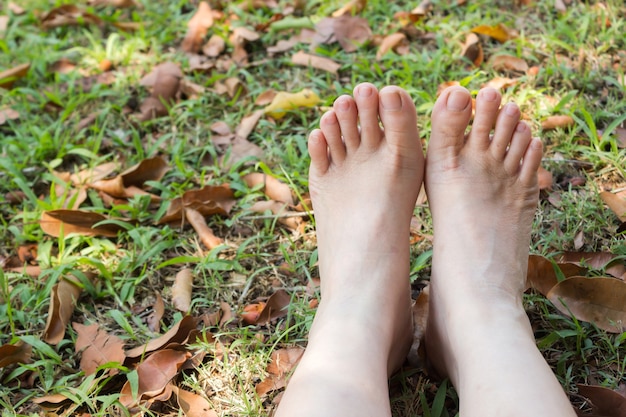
point(332, 133)
point(505, 126)
point(366, 98)
point(346, 112)
point(318, 149)
point(399, 117)
point(450, 117)
point(531, 163)
point(517, 148)
point(487, 106)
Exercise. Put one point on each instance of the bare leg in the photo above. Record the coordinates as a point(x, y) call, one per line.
point(363, 185)
point(483, 194)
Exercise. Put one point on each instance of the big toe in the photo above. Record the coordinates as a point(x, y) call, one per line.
point(450, 118)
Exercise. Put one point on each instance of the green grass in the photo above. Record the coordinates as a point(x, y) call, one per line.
point(580, 73)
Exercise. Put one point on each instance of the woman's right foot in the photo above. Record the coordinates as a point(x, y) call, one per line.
point(482, 191)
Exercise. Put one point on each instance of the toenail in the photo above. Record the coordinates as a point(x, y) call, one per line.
point(511, 109)
point(488, 95)
point(458, 100)
point(521, 127)
point(365, 91)
point(391, 100)
point(342, 104)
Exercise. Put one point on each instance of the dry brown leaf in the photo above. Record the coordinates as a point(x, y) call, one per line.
point(352, 7)
point(599, 300)
point(315, 61)
point(284, 102)
point(273, 188)
point(559, 6)
point(441, 87)
point(615, 203)
point(64, 222)
point(221, 128)
point(8, 77)
point(265, 97)
point(500, 83)
point(128, 26)
point(604, 401)
point(181, 290)
point(151, 169)
point(508, 63)
point(4, 23)
point(247, 124)
point(251, 312)
point(275, 307)
point(279, 209)
point(349, 31)
point(158, 310)
point(545, 179)
point(193, 405)
point(498, 32)
point(8, 114)
point(417, 354)
point(472, 49)
point(16, 9)
point(198, 26)
point(282, 46)
point(165, 81)
point(557, 121)
point(154, 374)
point(17, 353)
point(596, 260)
point(542, 276)
point(214, 46)
point(97, 347)
point(62, 301)
point(118, 4)
point(197, 221)
point(279, 369)
point(68, 15)
point(177, 334)
point(241, 150)
point(51, 402)
point(390, 43)
point(207, 201)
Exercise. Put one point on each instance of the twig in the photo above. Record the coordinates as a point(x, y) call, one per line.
point(278, 216)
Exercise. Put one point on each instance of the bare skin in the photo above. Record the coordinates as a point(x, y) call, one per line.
point(483, 193)
point(364, 181)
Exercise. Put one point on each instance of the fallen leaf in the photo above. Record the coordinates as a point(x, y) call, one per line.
point(51, 402)
point(352, 7)
point(97, 347)
point(68, 15)
point(283, 361)
point(118, 4)
point(151, 169)
point(545, 179)
point(198, 26)
point(557, 121)
point(181, 290)
point(349, 31)
point(18, 353)
point(508, 63)
point(273, 188)
point(63, 298)
point(498, 32)
point(154, 374)
point(390, 43)
point(241, 150)
point(197, 221)
point(128, 26)
point(599, 300)
point(417, 354)
point(16, 9)
point(221, 128)
point(193, 405)
point(284, 102)
point(542, 275)
point(279, 209)
point(610, 263)
point(208, 200)
point(8, 77)
point(500, 83)
point(615, 203)
point(177, 334)
point(442, 87)
point(214, 46)
point(8, 114)
point(80, 222)
point(165, 80)
point(559, 6)
point(579, 240)
point(472, 49)
point(247, 124)
point(265, 97)
point(158, 310)
point(604, 401)
point(4, 23)
point(251, 312)
point(315, 61)
point(275, 307)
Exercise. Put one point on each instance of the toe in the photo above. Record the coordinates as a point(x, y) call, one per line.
point(517, 148)
point(318, 149)
point(450, 117)
point(399, 118)
point(346, 112)
point(505, 126)
point(531, 162)
point(366, 98)
point(332, 133)
point(487, 105)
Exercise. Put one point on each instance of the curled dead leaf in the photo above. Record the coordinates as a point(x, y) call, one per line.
point(290, 219)
point(508, 63)
point(352, 7)
point(284, 102)
point(214, 46)
point(283, 361)
point(7, 114)
point(193, 405)
point(177, 334)
point(80, 222)
point(63, 298)
point(605, 402)
point(542, 273)
point(68, 15)
point(615, 203)
point(557, 121)
point(275, 307)
point(498, 32)
point(8, 77)
point(207, 201)
point(390, 43)
point(273, 188)
point(315, 61)
point(198, 26)
point(473, 50)
point(158, 310)
point(599, 300)
point(181, 290)
point(18, 353)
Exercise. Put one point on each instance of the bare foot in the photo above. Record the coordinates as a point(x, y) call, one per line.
point(483, 192)
point(364, 181)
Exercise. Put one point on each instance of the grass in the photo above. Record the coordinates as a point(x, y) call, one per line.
point(581, 74)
